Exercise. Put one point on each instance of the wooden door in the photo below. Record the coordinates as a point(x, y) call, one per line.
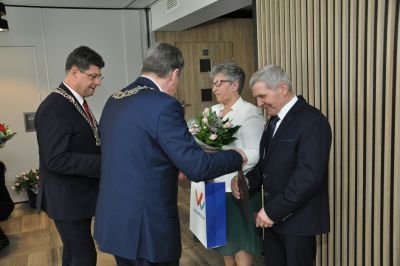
point(194, 88)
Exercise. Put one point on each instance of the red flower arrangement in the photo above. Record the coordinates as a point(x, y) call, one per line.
point(5, 134)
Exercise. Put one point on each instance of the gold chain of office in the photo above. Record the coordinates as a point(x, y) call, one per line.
point(77, 107)
point(126, 93)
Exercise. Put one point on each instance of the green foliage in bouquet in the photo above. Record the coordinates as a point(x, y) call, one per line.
point(27, 180)
point(5, 134)
point(210, 129)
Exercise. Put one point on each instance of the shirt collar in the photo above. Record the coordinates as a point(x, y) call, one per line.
point(159, 87)
point(286, 108)
point(77, 96)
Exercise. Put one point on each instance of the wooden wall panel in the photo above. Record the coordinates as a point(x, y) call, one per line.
point(343, 60)
point(316, 70)
point(395, 169)
point(297, 60)
point(310, 50)
point(369, 137)
point(287, 34)
point(352, 131)
point(292, 18)
point(360, 153)
point(237, 31)
point(344, 57)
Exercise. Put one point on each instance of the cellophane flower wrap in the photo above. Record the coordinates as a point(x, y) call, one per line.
point(5, 134)
point(27, 180)
point(211, 130)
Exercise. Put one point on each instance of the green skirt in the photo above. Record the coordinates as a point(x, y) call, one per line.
point(239, 235)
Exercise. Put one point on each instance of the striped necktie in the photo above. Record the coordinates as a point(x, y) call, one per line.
point(269, 133)
point(88, 113)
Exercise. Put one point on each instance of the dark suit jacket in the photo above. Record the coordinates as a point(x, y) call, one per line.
point(145, 140)
point(6, 203)
point(294, 173)
point(69, 160)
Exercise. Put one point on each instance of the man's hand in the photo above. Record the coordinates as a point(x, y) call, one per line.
point(235, 187)
point(262, 219)
point(244, 157)
point(182, 176)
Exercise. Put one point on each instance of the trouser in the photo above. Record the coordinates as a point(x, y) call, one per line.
point(3, 239)
point(287, 250)
point(142, 262)
point(79, 248)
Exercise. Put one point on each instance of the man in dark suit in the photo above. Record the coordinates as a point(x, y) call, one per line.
point(6, 204)
point(69, 152)
point(145, 142)
point(293, 170)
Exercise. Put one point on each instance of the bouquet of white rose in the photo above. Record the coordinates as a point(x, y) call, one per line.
point(211, 132)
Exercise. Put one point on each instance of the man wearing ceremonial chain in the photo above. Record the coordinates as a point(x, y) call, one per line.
point(69, 152)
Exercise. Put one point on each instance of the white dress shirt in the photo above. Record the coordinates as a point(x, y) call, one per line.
point(252, 123)
point(285, 109)
point(77, 96)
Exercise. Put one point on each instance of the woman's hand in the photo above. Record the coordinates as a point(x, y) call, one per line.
point(244, 157)
point(235, 187)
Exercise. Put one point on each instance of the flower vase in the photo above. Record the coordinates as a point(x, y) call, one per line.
point(32, 198)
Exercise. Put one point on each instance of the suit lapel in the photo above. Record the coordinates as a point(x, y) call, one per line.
point(290, 116)
point(78, 105)
point(64, 88)
point(262, 142)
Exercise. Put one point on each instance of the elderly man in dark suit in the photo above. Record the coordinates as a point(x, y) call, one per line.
point(145, 142)
point(69, 152)
point(293, 169)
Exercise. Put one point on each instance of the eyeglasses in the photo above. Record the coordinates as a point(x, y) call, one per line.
point(219, 82)
point(92, 76)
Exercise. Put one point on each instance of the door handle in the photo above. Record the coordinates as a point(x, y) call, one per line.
point(184, 104)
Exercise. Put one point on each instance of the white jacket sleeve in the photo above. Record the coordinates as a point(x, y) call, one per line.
point(248, 139)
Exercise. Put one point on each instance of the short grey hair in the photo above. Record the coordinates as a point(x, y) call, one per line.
point(161, 59)
point(232, 71)
point(272, 76)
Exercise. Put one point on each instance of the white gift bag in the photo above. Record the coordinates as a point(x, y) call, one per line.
point(208, 213)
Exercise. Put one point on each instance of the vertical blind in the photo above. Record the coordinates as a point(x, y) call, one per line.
point(344, 58)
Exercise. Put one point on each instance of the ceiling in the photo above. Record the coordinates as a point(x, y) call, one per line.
point(117, 4)
point(213, 11)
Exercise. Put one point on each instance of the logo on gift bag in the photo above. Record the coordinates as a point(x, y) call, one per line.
point(199, 200)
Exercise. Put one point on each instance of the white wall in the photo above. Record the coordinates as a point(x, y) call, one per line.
point(189, 13)
point(161, 16)
point(49, 35)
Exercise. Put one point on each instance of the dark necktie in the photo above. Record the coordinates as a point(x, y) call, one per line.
point(269, 132)
point(87, 111)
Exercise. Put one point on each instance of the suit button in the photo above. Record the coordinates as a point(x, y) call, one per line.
point(264, 176)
